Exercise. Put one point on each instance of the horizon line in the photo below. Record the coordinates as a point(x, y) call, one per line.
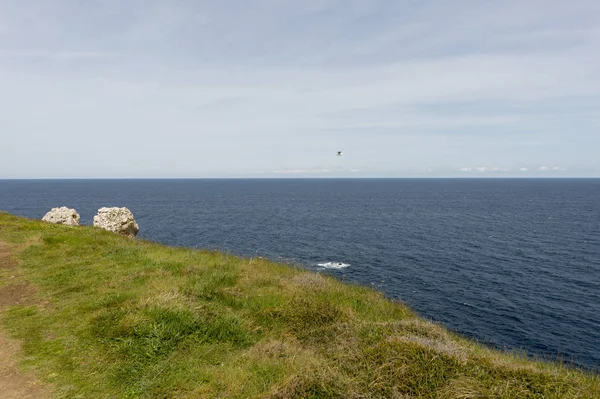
point(310, 178)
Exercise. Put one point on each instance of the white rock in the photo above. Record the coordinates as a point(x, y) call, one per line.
point(117, 220)
point(62, 215)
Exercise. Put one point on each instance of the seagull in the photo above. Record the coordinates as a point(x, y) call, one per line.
point(339, 153)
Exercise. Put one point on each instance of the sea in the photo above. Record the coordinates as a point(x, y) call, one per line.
point(511, 263)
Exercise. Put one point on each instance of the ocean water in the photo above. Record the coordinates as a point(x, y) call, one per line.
point(514, 263)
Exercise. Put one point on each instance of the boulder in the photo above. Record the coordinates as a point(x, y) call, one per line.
point(62, 215)
point(117, 220)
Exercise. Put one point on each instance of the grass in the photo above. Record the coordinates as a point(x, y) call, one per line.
point(115, 317)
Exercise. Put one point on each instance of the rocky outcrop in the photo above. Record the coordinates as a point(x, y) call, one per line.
point(62, 215)
point(117, 220)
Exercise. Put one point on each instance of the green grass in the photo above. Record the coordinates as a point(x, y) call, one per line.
point(120, 318)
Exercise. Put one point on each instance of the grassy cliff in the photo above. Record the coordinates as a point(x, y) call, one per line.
point(112, 317)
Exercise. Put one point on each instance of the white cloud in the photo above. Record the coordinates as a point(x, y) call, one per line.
point(490, 169)
point(524, 169)
point(551, 169)
point(483, 169)
point(67, 55)
point(293, 171)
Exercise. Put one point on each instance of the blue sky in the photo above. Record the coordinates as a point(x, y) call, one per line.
point(266, 88)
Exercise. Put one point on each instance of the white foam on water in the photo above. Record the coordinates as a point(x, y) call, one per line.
point(334, 265)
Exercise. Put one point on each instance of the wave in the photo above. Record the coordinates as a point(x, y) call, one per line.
point(334, 265)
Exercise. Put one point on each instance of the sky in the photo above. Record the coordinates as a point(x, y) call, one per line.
point(267, 88)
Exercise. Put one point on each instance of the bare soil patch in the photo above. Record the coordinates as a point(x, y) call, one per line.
point(16, 294)
point(15, 384)
point(6, 261)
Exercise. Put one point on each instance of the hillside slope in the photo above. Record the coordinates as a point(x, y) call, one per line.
point(112, 317)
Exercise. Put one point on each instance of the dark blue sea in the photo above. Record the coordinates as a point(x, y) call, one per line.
point(514, 263)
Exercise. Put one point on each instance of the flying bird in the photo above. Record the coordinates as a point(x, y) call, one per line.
point(339, 153)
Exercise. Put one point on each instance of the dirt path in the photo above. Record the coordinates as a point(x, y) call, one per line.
point(15, 384)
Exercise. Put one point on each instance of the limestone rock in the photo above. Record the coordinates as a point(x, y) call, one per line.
point(118, 220)
point(62, 215)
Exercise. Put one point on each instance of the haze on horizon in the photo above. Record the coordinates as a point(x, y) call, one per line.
point(268, 88)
